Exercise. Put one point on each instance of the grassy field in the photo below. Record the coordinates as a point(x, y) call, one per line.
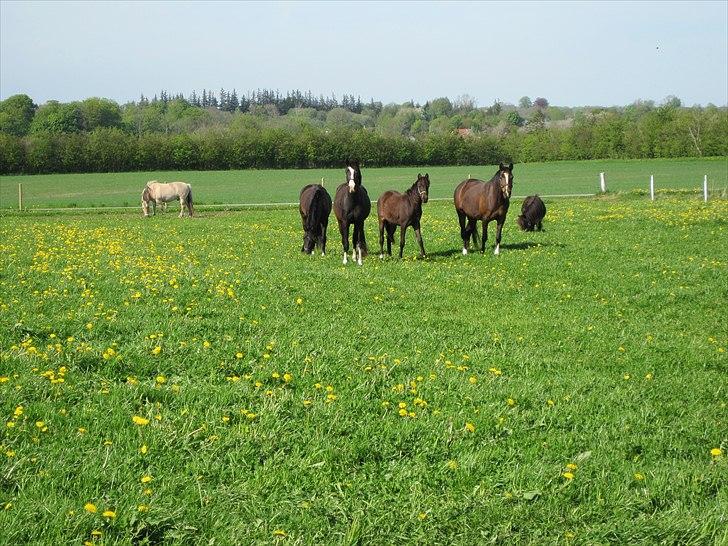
point(282, 186)
point(190, 381)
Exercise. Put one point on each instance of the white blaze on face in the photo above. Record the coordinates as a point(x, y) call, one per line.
point(507, 176)
point(352, 184)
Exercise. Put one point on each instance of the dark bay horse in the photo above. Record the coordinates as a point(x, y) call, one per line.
point(532, 212)
point(352, 206)
point(477, 200)
point(403, 210)
point(315, 207)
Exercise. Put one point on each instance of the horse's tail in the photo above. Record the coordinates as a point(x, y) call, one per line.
point(188, 200)
point(476, 237)
point(315, 210)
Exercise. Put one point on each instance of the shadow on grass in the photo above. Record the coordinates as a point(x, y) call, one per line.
point(489, 249)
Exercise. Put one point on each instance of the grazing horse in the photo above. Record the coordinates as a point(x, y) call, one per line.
point(315, 207)
point(532, 212)
point(403, 210)
point(156, 193)
point(477, 200)
point(352, 206)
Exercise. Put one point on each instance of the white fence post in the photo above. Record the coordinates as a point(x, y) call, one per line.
point(602, 182)
point(705, 188)
point(322, 181)
point(20, 196)
point(652, 187)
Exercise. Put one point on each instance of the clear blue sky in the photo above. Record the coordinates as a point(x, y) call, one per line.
point(572, 53)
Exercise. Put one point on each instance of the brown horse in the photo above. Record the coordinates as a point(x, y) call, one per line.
point(315, 207)
point(486, 201)
point(352, 206)
point(403, 210)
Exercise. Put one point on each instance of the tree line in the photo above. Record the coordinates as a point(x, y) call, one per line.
point(265, 129)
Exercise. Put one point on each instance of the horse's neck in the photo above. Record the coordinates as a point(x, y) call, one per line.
point(413, 195)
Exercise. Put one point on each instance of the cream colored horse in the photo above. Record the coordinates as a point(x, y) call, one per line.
point(156, 193)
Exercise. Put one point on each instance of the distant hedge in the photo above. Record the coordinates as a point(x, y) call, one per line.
point(110, 149)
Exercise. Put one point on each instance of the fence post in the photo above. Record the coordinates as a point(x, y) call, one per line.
point(705, 188)
point(20, 196)
point(652, 187)
point(322, 181)
point(602, 182)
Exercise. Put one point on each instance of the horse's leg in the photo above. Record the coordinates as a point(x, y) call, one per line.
point(181, 206)
point(540, 226)
point(470, 230)
point(463, 232)
point(390, 237)
point(485, 235)
point(418, 235)
point(344, 230)
point(498, 236)
point(358, 232)
point(324, 227)
point(381, 238)
point(402, 231)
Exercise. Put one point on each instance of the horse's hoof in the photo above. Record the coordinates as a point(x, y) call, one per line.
point(465, 252)
point(359, 262)
point(381, 256)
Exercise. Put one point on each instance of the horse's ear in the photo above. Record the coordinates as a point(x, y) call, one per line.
point(510, 167)
point(419, 175)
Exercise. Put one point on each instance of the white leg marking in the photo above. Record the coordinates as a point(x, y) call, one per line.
point(381, 256)
point(358, 251)
point(497, 250)
point(465, 251)
point(345, 259)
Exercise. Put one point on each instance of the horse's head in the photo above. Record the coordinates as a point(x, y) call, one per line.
point(505, 179)
point(523, 223)
point(423, 186)
point(353, 175)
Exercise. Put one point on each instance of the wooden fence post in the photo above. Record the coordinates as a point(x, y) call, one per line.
point(705, 188)
point(602, 182)
point(652, 187)
point(20, 196)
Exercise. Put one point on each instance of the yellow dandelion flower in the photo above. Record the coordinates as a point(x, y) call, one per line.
point(472, 380)
point(90, 508)
point(403, 412)
point(238, 355)
point(144, 449)
point(402, 405)
point(39, 424)
point(143, 508)
point(568, 475)
point(716, 452)
point(638, 476)
point(452, 465)
point(287, 377)
point(109, 514)
point(649, 377)
point(156, 350)
point(10, 424)
point(511, 402)
point(571, 466)
point(161, 379)
point(299, 301)
point(10, 453)
point(470, 427)
point(141, 421)
point(421, 516)
point(279, 533)
point(206, 344)
point(146, 479)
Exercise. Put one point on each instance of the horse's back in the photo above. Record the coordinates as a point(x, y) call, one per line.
point(467, 196)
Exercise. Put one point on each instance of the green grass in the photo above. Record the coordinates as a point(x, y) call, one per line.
point(607, 332)
point(282, 186)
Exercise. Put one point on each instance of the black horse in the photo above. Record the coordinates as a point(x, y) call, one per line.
point(532, 212)
point(477, 200)
point(352, 206)
point(402, 209)
point(315, 207)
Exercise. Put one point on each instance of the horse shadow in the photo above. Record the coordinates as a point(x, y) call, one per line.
point(529, 244)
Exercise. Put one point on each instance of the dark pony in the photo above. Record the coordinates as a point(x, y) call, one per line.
point(315, 207)
point(352, 206)
point(402, 209)
point(477, 200)
point(532, 212)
